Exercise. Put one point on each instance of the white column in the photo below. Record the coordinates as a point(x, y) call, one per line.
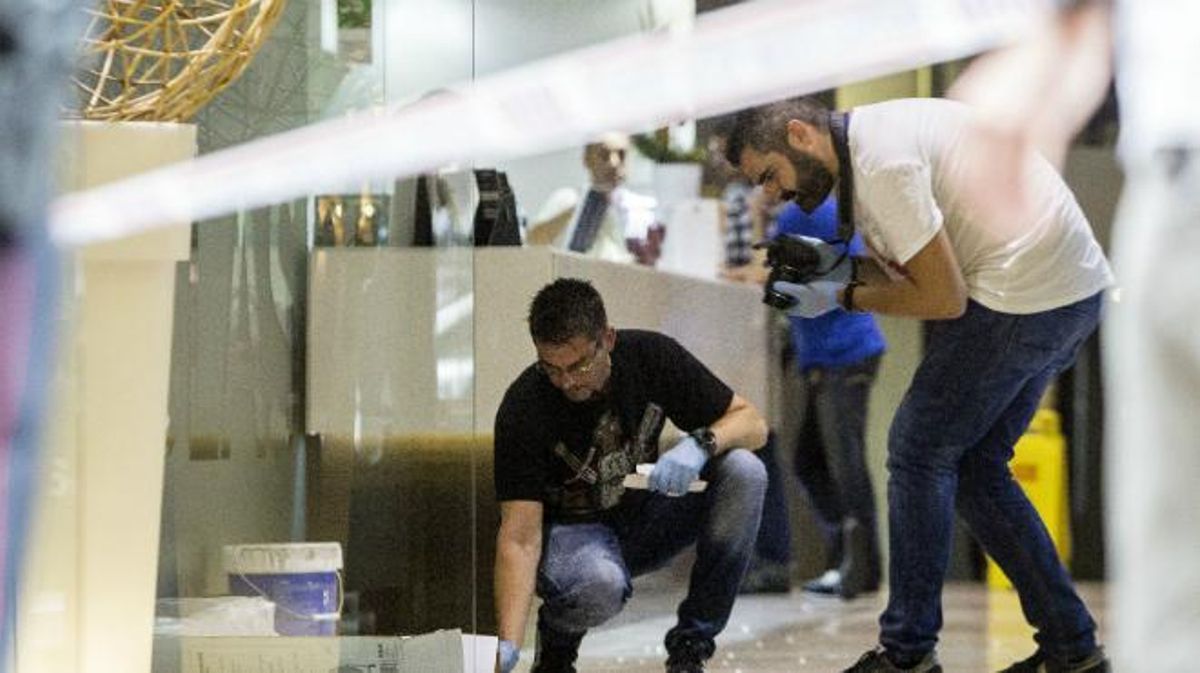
point(87, 602)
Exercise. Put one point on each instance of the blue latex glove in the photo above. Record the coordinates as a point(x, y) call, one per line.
point(812, 299)
point(678, 468)
point(507, 655)
point(835, 262)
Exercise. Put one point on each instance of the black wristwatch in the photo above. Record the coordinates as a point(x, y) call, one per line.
point(706, 439)
point(848, 297)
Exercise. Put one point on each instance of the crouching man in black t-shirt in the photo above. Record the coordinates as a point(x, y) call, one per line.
point(570, 429)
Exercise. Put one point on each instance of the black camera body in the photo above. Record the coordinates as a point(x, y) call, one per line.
point(792, 260)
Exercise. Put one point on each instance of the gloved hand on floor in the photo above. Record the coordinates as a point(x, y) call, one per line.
point(507, 654)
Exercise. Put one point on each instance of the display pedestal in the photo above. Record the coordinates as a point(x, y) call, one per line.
point(87, 602)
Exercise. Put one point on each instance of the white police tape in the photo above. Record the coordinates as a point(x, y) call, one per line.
point(744, 55)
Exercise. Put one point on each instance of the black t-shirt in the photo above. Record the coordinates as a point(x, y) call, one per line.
point(572, 456)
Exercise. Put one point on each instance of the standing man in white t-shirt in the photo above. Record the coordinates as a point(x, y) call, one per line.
point(1039, 93)
point(1010, 306)
point(606, 220)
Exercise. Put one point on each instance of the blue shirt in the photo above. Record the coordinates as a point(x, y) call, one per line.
point(837, 338)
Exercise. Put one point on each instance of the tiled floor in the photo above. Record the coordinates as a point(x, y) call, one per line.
point(797, 633)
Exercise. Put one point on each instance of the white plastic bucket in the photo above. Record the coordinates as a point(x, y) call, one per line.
point(302, 579)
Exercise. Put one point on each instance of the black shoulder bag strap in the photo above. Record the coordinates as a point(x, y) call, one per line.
point(839, 125)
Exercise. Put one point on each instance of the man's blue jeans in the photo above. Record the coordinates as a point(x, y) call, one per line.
point(971, 399)
point(831, 455)
point(774, 542)
point(586, 568)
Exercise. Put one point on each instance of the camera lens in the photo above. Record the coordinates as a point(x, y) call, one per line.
point(776, 299)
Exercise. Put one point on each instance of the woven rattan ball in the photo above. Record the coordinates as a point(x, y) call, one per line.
point(161, 60)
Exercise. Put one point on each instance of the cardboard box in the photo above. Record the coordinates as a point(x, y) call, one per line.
point(448, 651)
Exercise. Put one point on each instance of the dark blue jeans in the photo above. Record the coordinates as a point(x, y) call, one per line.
point(830, 458)
point(972, 397)
point(586, 568)
point(774, 543)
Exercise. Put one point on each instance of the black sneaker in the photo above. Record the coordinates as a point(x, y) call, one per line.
point(688, 656)
point(1041, 662)
point(555, 652)
point(767, 577)
point(876, 661)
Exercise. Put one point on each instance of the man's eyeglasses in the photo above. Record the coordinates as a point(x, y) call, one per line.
point(580, 368)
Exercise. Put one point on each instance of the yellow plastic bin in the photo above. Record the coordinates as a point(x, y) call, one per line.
point(1040, 465)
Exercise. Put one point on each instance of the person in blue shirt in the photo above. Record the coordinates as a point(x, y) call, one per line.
point(838, 355)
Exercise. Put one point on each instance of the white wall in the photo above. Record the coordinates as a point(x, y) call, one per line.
point(427, 45)
point(512, 32)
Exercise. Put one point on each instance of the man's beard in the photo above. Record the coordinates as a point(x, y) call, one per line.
point(814, 182)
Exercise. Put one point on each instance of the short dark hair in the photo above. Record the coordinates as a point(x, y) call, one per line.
point(565, 309)
point(764, 128)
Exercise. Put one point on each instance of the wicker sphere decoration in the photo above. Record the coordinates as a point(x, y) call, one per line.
point(162, 60)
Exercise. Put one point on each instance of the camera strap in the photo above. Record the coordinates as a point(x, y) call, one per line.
point(839, 125)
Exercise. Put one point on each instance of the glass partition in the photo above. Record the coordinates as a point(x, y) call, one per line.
point(323, 368)
point(318, 363)
point(327, 365)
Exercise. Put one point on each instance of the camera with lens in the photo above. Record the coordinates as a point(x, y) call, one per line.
point(792, 260)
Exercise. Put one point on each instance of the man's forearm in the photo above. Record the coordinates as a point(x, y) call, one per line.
point(900, 298)
point(867, 271)
point(929, 285)
point(516, 572)
point(741, 427)
point(879, 292)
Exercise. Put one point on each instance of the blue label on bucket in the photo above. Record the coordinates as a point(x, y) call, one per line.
point(306, 604)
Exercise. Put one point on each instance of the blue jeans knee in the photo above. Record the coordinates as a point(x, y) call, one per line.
point(738, 482)
point(582, 581)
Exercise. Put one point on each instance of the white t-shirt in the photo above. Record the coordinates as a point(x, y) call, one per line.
point(628, 215)
point(903, 153)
